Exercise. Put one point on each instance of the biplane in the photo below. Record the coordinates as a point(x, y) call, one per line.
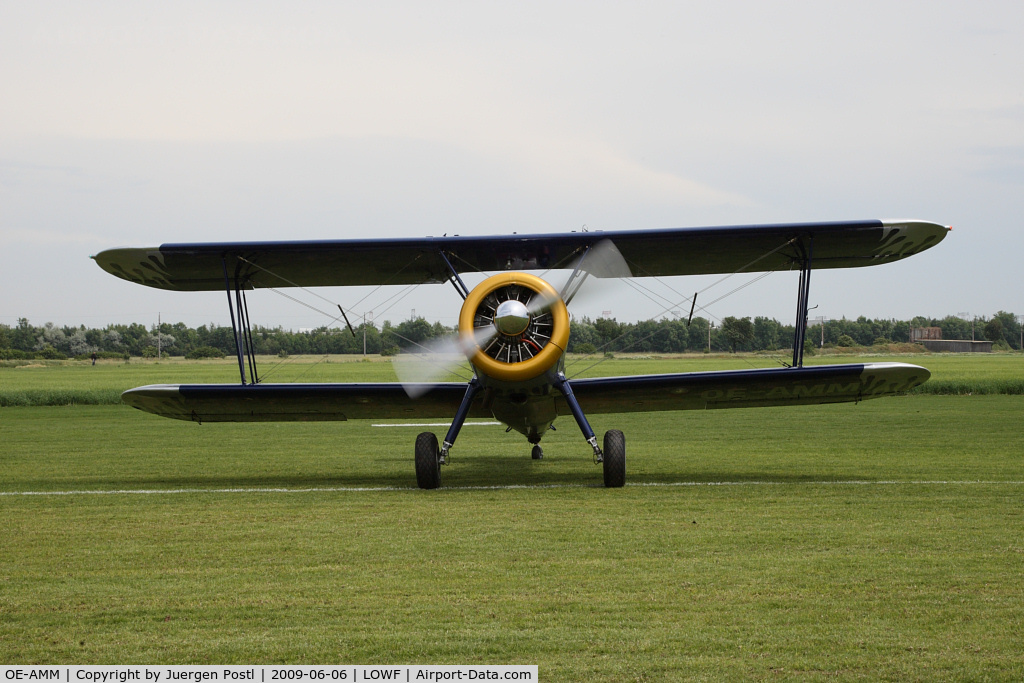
point(514, 326)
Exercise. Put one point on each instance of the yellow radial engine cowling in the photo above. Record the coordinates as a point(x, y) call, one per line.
point(526, 353)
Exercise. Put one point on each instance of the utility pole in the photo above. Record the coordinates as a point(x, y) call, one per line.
point(822, 320)
point(364, 331)
point(159, 350)
point(710, 325)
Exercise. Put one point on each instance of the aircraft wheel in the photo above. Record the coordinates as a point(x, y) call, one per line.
point(428, 466)
point(614, 458)
point(537, 453)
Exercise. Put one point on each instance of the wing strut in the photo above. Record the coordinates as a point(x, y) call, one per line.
point(240, 327)
point(234, 325)
point(246, 329)
point(802, 300)
point(570, 287)
point(456, 281)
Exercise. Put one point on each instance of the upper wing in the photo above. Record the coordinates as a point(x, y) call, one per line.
point(664, 252)
point(686, 391)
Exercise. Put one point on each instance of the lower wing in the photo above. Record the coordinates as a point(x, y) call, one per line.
point(640, 393)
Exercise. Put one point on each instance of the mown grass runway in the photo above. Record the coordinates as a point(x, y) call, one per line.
point(877, 541)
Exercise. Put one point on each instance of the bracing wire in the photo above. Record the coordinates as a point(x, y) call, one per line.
point(687, 299)
point(323, 298)
point(394, 299)
point(662, 312)
point(641, 289)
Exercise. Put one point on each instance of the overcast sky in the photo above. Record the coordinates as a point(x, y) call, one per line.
point(134, 124)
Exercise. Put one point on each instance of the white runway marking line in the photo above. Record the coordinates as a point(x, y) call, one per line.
point(433, 424)
point(509, 487)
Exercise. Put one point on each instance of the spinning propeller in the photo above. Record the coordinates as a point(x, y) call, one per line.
point(513, 326)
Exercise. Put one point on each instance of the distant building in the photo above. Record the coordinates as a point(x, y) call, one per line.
point(931, 338)
point(918, 334)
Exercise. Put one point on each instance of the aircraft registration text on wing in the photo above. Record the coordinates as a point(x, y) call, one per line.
point(514, 325)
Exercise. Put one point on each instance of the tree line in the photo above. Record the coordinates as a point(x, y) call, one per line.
point(603, 335)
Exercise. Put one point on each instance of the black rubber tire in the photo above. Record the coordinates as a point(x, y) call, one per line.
point(614, 458)
point(537, 453)
point(428, 466)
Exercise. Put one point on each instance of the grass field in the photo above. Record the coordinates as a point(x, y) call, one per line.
point(880, 541)
point(80, 383)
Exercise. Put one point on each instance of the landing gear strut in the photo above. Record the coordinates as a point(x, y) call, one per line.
point(430, 457)
point(614, 455)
